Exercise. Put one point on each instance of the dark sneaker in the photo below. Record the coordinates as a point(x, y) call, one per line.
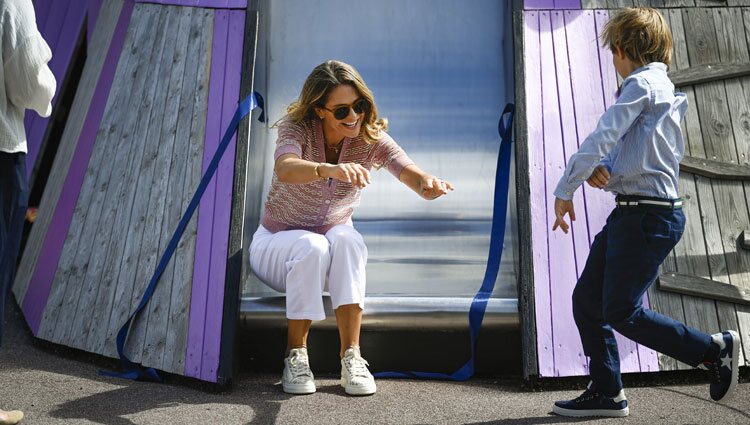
point(725, 369)
point(591, 403)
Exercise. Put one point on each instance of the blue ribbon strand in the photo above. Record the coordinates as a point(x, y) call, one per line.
point(497, 235)
point(135, 371)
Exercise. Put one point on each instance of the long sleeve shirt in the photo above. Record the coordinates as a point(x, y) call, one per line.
point(319, 205)
point(26, 81)
point(638, 139)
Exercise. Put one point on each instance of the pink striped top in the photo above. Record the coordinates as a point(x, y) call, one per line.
point(319, 205)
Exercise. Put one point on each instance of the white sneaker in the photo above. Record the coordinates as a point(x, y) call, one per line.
point(355, 377)
point(298, 378)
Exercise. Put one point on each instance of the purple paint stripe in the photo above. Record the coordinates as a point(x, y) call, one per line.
point(201, 265)
point(41, 281)
point(42, 10)
point(62, 55)
point(223, 202)
point(538, 4)
point(208, 4)
point(567, 4)
point(533, 92)
point(569, 357)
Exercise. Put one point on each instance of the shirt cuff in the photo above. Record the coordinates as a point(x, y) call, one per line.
point(565, 191)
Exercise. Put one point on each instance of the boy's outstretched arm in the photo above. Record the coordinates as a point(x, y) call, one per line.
point(563, 207)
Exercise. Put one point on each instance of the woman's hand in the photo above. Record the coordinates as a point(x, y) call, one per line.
point(349, 172)
point(599, 178)
point(431, 187)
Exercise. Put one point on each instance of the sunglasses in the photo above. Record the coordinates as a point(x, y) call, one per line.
point(360, 106)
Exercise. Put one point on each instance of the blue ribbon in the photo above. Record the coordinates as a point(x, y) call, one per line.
point(499, 212)
point(135, 371)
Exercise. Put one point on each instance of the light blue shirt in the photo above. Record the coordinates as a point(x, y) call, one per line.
point(638, 139)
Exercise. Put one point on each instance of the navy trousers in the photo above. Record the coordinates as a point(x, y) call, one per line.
point(624, 261)
point(14, 198)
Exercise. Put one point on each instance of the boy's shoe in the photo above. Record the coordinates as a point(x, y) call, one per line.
point(10, 418)
point(298, 378)
point(724, 370)
point(355, 377)
point(591, 403)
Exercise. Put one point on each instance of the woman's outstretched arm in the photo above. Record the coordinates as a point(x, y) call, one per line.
point(425, 185)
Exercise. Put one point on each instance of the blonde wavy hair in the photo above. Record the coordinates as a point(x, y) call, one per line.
point(318, 86)
point(641, 33)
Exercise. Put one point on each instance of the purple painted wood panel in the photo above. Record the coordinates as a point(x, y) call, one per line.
point(538, 192)
point(552, 4)
point(539, 4)
point(223, 203)
point(569, 358)
point(209, 4)
point(93, 7)
point(63, 44)
point(201, 266)
point(39, 286)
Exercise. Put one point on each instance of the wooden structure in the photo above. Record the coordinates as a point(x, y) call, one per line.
point(564, 81)
point(63, 24)
point(161, 83)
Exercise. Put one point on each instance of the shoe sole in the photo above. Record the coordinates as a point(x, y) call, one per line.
point(735, 364)
point(358, 390)
point(589, 413)
point(298, 389)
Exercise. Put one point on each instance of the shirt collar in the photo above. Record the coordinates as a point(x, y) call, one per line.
point(653, 65)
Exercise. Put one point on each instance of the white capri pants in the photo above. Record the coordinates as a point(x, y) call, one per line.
point(304, 264)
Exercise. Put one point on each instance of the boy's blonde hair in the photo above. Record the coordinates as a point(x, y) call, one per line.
point(641, 33)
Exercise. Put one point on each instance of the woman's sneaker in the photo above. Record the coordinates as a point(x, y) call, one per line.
point(724, 368)
point(298, 378)
point(355, 377)
point(591, 403)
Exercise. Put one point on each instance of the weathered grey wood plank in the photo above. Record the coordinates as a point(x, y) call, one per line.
point(150, 244)
point(710, 3)
point(73, 265)
point(526, 300)
point(135, 133)
point(729, 23)
point(663, 302)
point(743, 147)
point(714, 169)
point(709, 72)
point(619, 4)
point(705, 288)
point(125, 151)
point(172, 180)
point(98, 48)
point(174, 352)
point(126, 281)
point(679, 3)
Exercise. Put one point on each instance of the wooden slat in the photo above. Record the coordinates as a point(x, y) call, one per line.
point(172, 180)
point(538, 195)
point(176, 343)
point(705, 288)
point(119, 135)
point(66, 149)
point(238, 242)
point(526, 291)
point(729, 23)
point(73, 265)
point(710, 72)
point(619, 4)
point(134, 134)
point(568, 349)
point(593, 4)
point(743, 312)
point(160, 160)
point(714, 169)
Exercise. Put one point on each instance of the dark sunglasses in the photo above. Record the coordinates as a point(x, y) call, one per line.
point(360, 106)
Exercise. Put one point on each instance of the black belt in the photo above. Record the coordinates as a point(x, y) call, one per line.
point(647, 201)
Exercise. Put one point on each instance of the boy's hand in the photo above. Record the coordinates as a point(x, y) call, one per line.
point(563, 207)
point(599, 178)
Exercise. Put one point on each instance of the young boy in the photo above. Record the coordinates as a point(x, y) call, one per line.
point(635, 152)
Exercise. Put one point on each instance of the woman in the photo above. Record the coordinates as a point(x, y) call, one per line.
point(327, 143)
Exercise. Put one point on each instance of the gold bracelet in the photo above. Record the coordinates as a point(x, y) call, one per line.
point(317, 172)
